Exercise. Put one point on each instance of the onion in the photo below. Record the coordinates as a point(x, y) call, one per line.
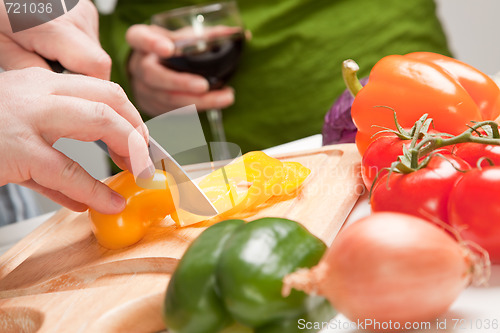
point(392, 268)
point(338, 126)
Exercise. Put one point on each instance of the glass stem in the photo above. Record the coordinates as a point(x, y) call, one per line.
point(218, 133)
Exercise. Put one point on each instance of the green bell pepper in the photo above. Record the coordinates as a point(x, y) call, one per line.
point(192, 304)
point(232, 275)
point(255, 260)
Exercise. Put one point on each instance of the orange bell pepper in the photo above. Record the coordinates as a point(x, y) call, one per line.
point(450, 91)
point(151, 202)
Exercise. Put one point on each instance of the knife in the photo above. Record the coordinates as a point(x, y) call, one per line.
point(191, 197)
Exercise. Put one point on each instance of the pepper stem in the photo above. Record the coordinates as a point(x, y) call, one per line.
point(349, 72)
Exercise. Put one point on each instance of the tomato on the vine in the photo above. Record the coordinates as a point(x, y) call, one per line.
point(474, 209)
point(424, 192)
point(379, 155)
point(472, 152)
point(382, 152)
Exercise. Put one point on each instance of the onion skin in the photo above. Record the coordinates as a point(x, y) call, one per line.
point(390, 267)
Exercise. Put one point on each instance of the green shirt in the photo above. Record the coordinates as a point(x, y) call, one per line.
point(290, 71)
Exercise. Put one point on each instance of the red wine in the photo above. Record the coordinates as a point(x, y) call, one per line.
point(215, 59)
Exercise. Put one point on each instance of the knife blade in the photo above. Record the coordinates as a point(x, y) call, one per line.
point(191, 197)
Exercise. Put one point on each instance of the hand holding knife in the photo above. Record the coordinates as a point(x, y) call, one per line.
point(191, 198)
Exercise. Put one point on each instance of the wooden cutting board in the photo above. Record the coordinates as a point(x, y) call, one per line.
point(59, 279)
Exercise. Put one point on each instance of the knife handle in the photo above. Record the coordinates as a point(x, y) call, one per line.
point(56, 66)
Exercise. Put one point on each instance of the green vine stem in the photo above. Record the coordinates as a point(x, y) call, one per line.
point(349, 72)
point(431, 142)
point(486, 132)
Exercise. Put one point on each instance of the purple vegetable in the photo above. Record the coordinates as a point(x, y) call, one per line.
point(338, 126)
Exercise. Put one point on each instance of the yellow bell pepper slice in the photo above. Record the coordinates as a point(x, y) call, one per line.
point(247, 183)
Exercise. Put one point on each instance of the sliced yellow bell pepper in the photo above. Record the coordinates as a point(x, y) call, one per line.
point(247, 183)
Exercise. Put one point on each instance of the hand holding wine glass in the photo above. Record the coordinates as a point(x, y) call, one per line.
point(208, 41)
point(158, 89)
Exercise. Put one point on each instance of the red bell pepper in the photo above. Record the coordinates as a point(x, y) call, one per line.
point(450, 91)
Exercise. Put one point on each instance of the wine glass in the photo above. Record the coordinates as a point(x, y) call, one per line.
point(208, 41)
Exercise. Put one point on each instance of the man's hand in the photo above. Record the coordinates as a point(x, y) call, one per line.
point(37, 107)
